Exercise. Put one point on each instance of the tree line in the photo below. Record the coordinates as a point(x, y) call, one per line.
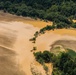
point(63, 63)
point(44, 9)
point(61, 12)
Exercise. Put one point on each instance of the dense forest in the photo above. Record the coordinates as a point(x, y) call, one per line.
point(63, 63)
point(60, 12)
point(53, 10)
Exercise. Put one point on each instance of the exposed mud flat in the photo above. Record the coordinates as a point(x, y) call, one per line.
point(15, 47)
point(7, 65)
point(27, 20)
point(14, 37)
point(46, 41)
point(71, 44)
point(70, 32)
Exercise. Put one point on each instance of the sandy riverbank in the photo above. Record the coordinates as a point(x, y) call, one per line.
point(27, 20)
point(15, 33)
point(15, 36)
